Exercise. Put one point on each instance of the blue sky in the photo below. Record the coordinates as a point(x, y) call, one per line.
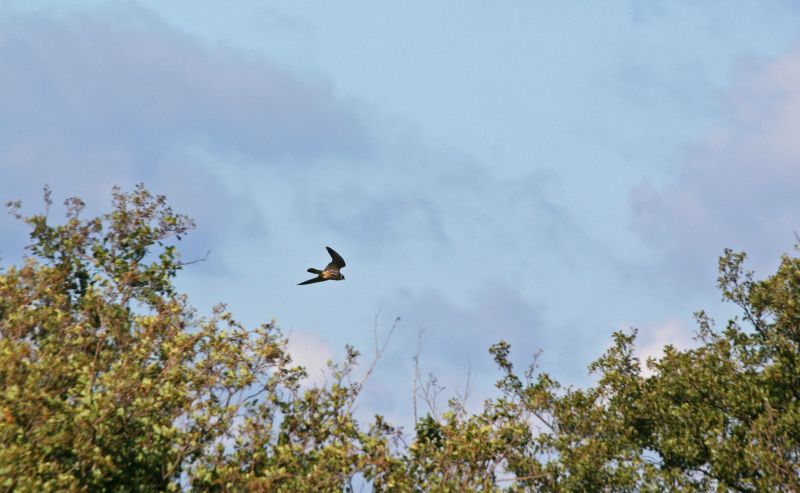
point(542, 172)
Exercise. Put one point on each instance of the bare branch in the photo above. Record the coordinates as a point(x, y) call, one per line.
point(416, 370)
point(48, 200)
point(523, 478)
point(181, 264)
point(461, 399)
point(379, 348)
point(430, 393)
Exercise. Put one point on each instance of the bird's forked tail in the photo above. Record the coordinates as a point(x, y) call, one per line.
point(314, 271)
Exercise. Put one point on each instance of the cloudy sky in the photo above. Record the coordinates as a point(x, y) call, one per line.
point(541, 172)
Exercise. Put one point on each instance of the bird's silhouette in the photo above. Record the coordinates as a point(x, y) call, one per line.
point(330, 272)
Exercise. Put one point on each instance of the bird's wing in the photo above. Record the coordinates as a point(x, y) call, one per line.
point(338, 261)
point(312, 280)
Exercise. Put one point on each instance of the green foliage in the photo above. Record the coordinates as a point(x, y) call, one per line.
point(110, 381)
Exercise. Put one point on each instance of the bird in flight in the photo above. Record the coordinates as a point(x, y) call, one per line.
point(330, 272)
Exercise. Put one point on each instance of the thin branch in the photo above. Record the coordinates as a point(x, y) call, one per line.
point(462, 398)
point(379, 348)
point(430, 393)
point(523, 478)
point(48, 201)
point(375, 328)
point(416, 370)
point(430, 388)
point(181, 264)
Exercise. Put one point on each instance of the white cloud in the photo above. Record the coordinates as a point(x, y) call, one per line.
point(651, 341)
point(737, 187)
point(311, 352)
point(117, 96)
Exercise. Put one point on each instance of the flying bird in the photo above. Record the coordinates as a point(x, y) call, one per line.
point(330, 272)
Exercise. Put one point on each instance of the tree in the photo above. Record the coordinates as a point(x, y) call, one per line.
point(723, 416)
point(110, 381)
